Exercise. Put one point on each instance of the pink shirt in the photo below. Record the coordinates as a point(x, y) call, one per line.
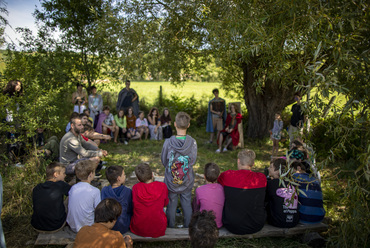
point(211, 197)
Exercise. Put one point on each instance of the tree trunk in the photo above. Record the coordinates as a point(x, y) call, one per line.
point(263, 106)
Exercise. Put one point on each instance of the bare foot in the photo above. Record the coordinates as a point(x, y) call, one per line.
point(128, 241)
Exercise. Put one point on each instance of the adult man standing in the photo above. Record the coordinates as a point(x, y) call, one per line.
point(244, 210)
point(128, 98)
point(216, 115)
point(297, 120)
point(73, 148)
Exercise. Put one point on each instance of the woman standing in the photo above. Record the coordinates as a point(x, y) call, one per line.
point(95, 103)
point(79, 99)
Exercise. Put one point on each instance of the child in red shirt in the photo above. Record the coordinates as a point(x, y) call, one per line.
point(148, 198)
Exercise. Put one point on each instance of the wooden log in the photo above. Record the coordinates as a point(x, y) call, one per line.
point(66, 236)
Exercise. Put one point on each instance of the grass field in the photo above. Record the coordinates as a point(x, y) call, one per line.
point(149, 91)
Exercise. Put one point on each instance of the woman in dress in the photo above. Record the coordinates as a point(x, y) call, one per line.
point(79, 99)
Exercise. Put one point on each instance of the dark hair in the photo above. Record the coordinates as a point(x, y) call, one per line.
point(112, 173)
point(140, 113)
point(88, 127)
point(52, 168)
point(123, 113)
point(78, 85)
point(73, 116)
point(128, 81)
point(276, 163)
point(73, 120)
point(85, 110)
point(83, 114)
point(92, 87)
point(10, 88)
point(84, 168)
point(215, 90)
point(203, 230)
point(295, 165)
point(235, 106)
point(143, 172)
point(151, 112)
point(108, 210)
point(106, 108)
point(211, 172)
point(132, 108)
point(164, 118)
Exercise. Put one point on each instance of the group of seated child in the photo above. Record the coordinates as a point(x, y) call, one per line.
point(142, 208)
point(124, 127)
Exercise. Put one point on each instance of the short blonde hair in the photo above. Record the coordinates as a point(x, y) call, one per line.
point(246, 157)
point(182, 120)
point(84, 168)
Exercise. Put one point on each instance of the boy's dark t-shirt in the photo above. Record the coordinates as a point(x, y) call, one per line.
point(297, 116)
point(282, 209)
point(49, 212)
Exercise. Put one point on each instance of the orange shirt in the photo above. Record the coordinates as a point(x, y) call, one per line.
point(98, 236)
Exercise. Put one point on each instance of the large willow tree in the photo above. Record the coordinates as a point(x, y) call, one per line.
point(268, 50)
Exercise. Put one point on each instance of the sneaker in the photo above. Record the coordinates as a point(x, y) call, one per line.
point(218, 151)
point(209, 142)
point(103, 167)
point(224, 150)
point(97, 176)
point(126, 143)
point(104, 162)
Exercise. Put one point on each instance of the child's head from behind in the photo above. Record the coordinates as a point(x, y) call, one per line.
point(115, 174)
point(203, 230)
point(246, 157)
point(55, 171)
point(211, 172)
point(298, 167)
point(84, 168)
point(275, 167)
point(182, 120)
point(108, 210)
point(143, 172)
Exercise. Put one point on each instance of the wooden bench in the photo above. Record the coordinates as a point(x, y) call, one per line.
point(66, 236)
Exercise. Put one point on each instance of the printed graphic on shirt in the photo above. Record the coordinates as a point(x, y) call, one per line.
point(290, 201)
point(179, 168)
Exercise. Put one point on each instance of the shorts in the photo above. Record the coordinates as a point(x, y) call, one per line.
point(217, 123)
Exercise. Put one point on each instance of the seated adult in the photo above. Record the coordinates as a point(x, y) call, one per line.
point(73, 148)
point(244, 210)
point(231, 129)
point(100, 235)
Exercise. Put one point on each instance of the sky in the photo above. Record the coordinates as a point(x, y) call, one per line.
point(20, 15)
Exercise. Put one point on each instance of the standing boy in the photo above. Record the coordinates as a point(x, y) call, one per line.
point(211, 196)
point(149, 198)
point(297, 120)
point(282, 201)
point(179, 154)
point(116, 177)
point(83, 198)
point(216, 115)
point(49, 213)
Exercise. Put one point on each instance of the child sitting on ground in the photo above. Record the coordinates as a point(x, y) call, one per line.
point(142, 125)
point(100, 235)
point(179, 154)
point(132, 133)
point(281, 199)
point(203, 231)
point(149, 198)
point(49, 213)
point(116, 177)
point(311, 209)
point(83, 197)
point(211, 196)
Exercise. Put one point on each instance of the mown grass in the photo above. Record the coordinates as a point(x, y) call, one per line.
point(19, 182)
